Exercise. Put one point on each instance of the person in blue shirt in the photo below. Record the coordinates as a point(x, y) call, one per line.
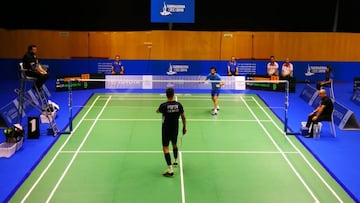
point(216, 85)
point(117, 67)
point(232, 67)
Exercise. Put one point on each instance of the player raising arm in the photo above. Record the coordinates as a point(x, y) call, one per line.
point(216, 85)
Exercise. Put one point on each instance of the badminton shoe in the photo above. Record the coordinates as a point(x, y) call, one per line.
point(309, 136)
point(214, 113)
point(175, 164)
point(167, 173)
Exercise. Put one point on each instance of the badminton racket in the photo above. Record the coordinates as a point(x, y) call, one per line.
point(180, 141)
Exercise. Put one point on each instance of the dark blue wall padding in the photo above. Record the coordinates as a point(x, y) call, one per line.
point(343, 71)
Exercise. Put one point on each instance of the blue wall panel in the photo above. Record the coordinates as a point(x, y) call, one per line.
point(343, 71)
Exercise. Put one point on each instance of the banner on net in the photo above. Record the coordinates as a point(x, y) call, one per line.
point(164, 81)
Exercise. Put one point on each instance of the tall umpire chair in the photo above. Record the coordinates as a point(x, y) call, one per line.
point(39, 102)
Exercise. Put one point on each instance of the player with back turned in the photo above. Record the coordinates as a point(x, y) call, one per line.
point(171, 111)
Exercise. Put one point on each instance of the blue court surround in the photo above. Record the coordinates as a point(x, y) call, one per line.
point(338, 155)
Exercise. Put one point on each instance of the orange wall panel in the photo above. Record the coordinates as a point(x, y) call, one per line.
point(183, 45)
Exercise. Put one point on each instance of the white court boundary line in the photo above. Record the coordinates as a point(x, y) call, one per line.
point(57, 154)
point(77, 152)
point(183, 194)
point(182, 183)
point(283, 155)
point(303, 157)
point(251, 98)
point(159, 119)
point(186, 151)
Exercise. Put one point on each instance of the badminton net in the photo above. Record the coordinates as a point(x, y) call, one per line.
point(195, 85)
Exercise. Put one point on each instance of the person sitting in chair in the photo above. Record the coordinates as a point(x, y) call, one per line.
point(328, 78)
point(322, 113)
point(272, 68)
point(33, 67)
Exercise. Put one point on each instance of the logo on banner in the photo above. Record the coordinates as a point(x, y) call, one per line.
point(173, 69)
point(316, 69)
point(170, 71)
point(308, 72)
point(168, 9)
point(165, 11)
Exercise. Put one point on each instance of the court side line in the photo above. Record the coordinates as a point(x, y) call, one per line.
point(76, 153)
point(57, 154)
point(152, 107)
point(303, 156)
point(182, 184)
point(161, 95)
point(186, 151)
point(182, 99)
point(159, 119)
point(283, 155)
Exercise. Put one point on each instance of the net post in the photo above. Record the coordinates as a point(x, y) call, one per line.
point(286, 106)
point(287, 90)
point(70, 108)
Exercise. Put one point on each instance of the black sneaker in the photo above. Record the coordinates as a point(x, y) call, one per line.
point(309, 136)
point(168, 174)
point(175, 164)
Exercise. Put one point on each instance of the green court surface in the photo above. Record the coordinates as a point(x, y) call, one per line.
point(114, 154)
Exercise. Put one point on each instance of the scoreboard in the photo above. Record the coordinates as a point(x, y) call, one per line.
point(80, 81)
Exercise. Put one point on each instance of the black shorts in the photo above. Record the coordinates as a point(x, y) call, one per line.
point(169, 136)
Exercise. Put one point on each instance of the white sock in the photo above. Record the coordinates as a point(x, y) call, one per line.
point(171, 170)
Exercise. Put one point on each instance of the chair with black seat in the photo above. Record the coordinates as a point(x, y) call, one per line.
point(317, 127)
point(24, 78)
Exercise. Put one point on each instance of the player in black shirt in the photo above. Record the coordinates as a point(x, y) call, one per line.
point(171, 111)
point(33, 67)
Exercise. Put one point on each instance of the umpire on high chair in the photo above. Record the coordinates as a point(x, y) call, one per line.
point(33, 67)
point(322, 113)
